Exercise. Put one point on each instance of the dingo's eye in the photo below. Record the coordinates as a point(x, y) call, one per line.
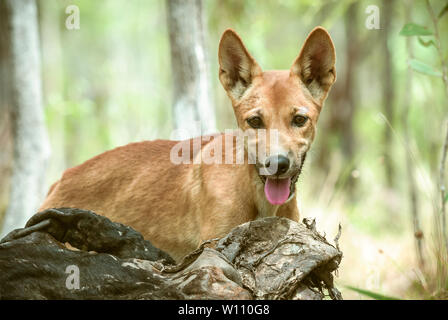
point(255, 122)
point(299, 120)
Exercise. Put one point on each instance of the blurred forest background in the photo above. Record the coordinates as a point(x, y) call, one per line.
point(375, 166)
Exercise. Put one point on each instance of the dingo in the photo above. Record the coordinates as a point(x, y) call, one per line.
point(177, 206)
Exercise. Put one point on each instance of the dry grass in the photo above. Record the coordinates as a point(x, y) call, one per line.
point(377, 235)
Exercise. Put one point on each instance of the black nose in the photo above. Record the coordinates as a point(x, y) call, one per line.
point(277, 164)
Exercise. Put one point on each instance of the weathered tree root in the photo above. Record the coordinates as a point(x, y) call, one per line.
point(271, 258)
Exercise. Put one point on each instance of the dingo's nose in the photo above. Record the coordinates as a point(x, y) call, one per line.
point(277, 164)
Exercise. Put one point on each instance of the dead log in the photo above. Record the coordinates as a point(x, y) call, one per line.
point(271, 258)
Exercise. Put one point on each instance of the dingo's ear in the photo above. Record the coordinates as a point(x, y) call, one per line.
point(237, 68)
point(315, 64)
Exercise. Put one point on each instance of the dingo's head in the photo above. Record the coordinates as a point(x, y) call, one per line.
point(288, 101)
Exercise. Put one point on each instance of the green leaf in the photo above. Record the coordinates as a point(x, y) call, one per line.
point(443, 11)
point(446, 198)
point(426, 43)
point(424, 68)
point(370, 294)
point(412, 29)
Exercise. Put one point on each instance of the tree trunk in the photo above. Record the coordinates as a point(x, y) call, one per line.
point(413, 194)
point(31, 146)
point(193, 111)
point(349, 103)
point(388, 93)
point(266, 259)
point(442, 168)
point(344, 99)
point(5, 121)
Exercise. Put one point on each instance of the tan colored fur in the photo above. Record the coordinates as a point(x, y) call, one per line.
point(177, 207)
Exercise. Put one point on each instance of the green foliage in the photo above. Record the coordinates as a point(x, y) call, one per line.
point(424, 68)
point(426, 43)
point(371, 294)
point(413, 29)
point(443, 11)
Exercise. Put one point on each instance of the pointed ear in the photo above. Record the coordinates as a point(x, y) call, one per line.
point(315, 65)
point(237, 68)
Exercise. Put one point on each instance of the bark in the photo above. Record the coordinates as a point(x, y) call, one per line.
point(271, 258)
point(193, 111)
point(388, 92)
point(31, 146)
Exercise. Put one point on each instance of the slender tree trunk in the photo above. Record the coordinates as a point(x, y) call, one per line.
point(50, 17)
point(388, 91)
point(352, 45)
point(413, 195)
point(31, 146)
point(344, 98)
point(442, 186)
point(5, 121)
point(193, 111)
point(442, 168)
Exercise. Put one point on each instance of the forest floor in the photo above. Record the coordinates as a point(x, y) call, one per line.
point(377, 243)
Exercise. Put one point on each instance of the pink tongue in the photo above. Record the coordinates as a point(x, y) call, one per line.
point(277, 190)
